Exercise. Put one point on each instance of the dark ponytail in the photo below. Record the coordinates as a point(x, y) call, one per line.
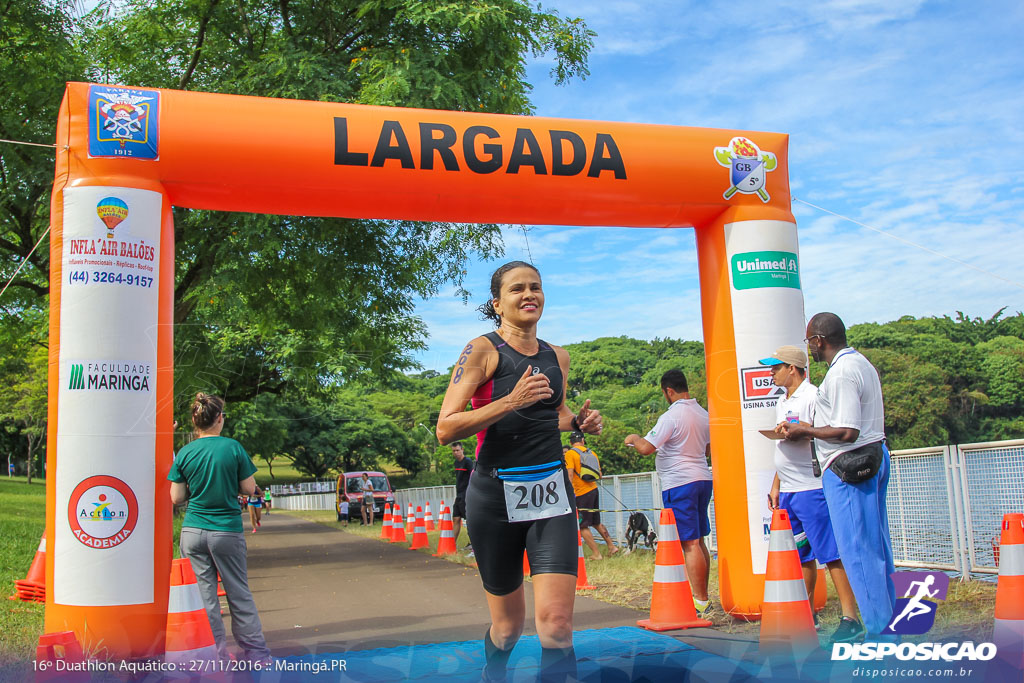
point(205, 410)
point(487, 311)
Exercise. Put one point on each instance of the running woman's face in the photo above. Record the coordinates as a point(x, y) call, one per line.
point(522, 298)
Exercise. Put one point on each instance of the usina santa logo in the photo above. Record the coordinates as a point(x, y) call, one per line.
point(103, 512)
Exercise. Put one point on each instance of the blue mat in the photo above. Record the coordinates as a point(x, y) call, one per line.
point(604, 655)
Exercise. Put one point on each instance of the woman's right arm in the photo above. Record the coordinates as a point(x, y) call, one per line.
point(476, 365)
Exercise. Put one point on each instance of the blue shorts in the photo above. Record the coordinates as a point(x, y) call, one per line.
point(812, 527)
point(689, 503)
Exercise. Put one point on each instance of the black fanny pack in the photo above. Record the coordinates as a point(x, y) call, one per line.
point(858, 465)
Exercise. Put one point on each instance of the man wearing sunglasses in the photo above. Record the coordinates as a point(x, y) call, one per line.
point(849, 437)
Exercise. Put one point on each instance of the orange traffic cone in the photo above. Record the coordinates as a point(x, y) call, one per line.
point(787, 624)
point(33, 587)
point(385, 528)
point(428, 519)
point(410, 520)
point(581, 566)
point(189, 638)
point(1008, 631)
point(397, 528)
point(671, 599)
point(220, 587)
point(419, 534)
point(446, 544)
point(526, 567)
point(59, 646)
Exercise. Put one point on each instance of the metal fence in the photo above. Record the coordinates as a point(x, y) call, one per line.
point(945, 503)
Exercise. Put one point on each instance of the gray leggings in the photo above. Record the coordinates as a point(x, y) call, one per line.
point(211, 552)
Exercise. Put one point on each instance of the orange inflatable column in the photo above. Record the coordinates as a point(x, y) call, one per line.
point(110, 399)
point(752, 303)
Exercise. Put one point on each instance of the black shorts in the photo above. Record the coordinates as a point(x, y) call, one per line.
point(550, 544)
point(459, 507)
point(591, 501)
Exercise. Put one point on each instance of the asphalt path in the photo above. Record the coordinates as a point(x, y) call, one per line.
point(319, 589)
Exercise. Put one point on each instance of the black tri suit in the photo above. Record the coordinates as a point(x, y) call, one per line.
point(525, 441)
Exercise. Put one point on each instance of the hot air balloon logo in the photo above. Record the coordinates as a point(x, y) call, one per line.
point(111, 211)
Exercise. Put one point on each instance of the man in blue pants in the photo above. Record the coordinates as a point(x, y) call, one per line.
point(849, 437)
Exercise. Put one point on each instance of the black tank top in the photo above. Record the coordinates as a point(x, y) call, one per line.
point(528, 436)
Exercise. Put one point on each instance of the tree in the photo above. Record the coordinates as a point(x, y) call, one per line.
point(275, 302)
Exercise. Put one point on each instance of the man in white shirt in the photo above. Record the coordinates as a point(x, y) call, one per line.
point(849, 423)
point(797, 489)
point(682, 439)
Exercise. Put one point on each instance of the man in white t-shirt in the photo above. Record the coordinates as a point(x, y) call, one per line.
point(848, 415)
point(682, 439)
point(797, 489)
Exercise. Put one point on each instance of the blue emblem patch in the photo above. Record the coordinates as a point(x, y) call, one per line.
point(124, 122)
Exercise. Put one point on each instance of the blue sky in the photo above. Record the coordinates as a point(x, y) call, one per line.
point(904, 116)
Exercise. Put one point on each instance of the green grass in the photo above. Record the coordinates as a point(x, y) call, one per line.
point(22, 521)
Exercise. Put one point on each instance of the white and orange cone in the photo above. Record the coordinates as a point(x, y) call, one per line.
point(428, 518)
point(397, 527)
point(582, 584)
point(189, 638)
point(671, 598)
point(56, 657)
point(787, 624)
point(385, 527)
point(526, 567)
point(1008, 630)
point(419, 533)
point(33, 587)
point(410, 521)
point(446, 543)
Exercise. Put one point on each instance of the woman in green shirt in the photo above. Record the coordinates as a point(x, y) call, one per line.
point(210, 473)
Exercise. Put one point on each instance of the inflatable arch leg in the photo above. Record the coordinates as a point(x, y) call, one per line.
point(752, 304)
point(111, 307)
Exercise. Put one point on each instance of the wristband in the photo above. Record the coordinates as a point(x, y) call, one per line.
point(575, 424)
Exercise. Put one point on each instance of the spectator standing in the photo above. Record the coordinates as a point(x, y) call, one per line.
point(588, 501)
point(682, 440)
point(797, 487)
point(366, 488)
point(210, 472)
point(849, 437)
point(464, 466)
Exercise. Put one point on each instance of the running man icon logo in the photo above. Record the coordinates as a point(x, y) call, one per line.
point(915, 611)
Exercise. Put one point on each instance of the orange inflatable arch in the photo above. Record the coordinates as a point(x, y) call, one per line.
point(127, 155)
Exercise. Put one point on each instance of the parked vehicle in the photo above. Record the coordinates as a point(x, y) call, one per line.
point(349, 486)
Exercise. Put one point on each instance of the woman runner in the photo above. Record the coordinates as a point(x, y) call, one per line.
point(520, 497)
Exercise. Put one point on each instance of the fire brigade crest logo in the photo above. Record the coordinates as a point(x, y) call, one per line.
point(747, 166)
point(123, 122)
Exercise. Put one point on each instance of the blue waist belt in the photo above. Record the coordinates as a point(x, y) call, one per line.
point(527, 473)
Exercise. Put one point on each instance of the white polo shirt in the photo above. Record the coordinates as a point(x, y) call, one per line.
point(681, 436)
point(793, 458)
point(850, 397)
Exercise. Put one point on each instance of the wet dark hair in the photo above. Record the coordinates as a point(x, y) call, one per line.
point(830, 327)
point(675, 380)
point(205, 410)
point(487, 311)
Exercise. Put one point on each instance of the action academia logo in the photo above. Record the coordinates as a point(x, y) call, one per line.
point(102, 511)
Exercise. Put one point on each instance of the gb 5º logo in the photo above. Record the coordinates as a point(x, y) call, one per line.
point(915, 611)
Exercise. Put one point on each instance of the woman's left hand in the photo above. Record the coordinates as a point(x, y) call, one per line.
point(589, 421)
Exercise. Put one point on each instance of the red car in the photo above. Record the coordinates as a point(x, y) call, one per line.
point(350, 489)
